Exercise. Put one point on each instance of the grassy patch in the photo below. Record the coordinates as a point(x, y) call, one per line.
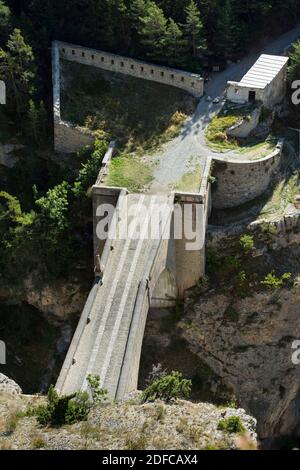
point(216, 133)
point(283, 194)
point(257, 150)
point(129, 172)
point(190, 181)
point(140, 114)
point(218, 139)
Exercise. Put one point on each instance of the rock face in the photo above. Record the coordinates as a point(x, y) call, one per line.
point(128, 425)
point(9, 386)
point(248, 343)
point(61, 300)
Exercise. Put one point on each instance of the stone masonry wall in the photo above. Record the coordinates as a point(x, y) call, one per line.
point(245, 126)
point(68, 138)
point(189, 82)
point(240, 181)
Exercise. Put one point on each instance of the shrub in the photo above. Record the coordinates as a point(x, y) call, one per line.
point(168, 388)
point(98, 394)
point(89, 170)
point(233, 425)
point(66, 409)
point(247, 243)
point(38, 443)
point(272, 282)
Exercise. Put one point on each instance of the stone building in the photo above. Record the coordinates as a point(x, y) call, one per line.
point(265, 82)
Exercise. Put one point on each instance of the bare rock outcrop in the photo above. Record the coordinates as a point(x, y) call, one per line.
point(9, 386)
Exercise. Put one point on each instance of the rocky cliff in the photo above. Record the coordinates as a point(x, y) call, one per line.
point(244, 328)
point(125, 426)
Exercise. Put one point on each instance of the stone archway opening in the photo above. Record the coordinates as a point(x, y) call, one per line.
point(165, 292)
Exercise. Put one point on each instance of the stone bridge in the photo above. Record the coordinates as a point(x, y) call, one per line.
point(135, 268)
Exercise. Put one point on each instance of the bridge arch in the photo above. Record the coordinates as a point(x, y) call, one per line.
point(165, 291)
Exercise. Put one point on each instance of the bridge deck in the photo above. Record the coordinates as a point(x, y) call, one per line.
point(102, 344)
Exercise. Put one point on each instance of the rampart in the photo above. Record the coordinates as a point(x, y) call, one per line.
point(190, 82)
point(68, 138)
point(240, 180)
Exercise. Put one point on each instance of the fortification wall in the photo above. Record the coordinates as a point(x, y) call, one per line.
point(192, 83)
point(240, 181)
point(68, 138)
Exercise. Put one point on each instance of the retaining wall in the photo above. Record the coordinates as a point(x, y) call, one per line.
point(246, 125)
point(187, 81)
point(240, 181)
point(68, 138)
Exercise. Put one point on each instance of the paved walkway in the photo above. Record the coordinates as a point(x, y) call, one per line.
point(190, 150)
point(100, 347)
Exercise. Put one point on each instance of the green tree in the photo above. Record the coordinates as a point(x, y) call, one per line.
point(169, 387)
point(89, 170)
point(194, 28)
point(37, 122)
point(153, 31)
point(53, 210)
point(5, 19)
point(175, 44)
point(294, 68)
point(18, 70)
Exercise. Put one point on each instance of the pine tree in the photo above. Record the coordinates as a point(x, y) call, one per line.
point(174, 43)
point(5, 17)
point(194, 28)
point(153, 31)
point(138, 10)
point(18, 70)
point(294, 68)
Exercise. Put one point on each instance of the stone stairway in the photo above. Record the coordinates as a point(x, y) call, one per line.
point(102, 344)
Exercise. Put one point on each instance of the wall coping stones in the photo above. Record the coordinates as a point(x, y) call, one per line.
point(190, 82)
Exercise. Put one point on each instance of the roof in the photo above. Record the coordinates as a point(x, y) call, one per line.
point(263, 72)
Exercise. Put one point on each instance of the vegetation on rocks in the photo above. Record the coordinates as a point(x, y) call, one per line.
point(126, 425)
point(43, 236)
point(69, 409)
point(233, 424)
point(168, 388)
